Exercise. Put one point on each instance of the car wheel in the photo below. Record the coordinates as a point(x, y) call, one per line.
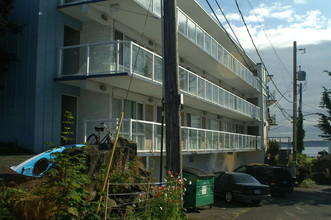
point(228, 197)
point(256, 202)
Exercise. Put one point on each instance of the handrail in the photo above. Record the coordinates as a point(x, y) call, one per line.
point(99, 55)
point(147, 136)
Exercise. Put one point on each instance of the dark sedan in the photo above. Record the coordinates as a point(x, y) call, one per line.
point(239, 186)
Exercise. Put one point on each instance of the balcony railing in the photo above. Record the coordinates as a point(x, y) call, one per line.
point(193, 32)
point(147, 135)
point(124, 56)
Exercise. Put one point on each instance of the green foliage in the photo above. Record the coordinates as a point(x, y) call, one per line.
point(68, 122)
point(308, 183)
point(304, 167)
point(7, 25)
point(324, 122)
point(165, 201)
point(70, 182)
point(62, 194)
point(300, 133)
point(272, 152)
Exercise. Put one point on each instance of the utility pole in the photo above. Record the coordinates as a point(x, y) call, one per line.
point(294, 101)
point(171, 91)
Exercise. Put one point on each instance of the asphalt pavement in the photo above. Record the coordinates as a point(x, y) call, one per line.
point(303, 203)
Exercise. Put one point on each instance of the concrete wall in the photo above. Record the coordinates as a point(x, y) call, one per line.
point(210, 162)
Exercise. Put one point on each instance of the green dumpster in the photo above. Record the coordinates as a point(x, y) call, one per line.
point(199, 188)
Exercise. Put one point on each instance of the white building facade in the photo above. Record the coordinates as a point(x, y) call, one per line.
point(110, 61)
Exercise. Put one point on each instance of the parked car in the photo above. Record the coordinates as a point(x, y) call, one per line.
point(239, 186)
point(278, 178)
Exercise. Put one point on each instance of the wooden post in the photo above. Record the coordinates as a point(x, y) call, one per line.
point(171, 94)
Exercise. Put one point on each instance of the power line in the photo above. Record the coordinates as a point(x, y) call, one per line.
point(235, 45)
point(263, 85)
point(258, 53)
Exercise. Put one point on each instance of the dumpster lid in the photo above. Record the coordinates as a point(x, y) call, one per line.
point(197, 172)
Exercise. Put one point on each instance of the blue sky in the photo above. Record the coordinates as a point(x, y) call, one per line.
point(274, 25)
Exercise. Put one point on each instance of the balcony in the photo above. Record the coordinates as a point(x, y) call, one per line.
point(192, 38)
point(271, 97)
point(111, 62)
point(272, 120)
point(147, 135)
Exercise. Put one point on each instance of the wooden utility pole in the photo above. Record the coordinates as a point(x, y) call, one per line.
point(294, 101)
point(170, 83)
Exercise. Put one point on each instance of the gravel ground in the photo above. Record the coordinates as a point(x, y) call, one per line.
point(7, 175)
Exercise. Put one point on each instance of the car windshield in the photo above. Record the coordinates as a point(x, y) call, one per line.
point(244, 179)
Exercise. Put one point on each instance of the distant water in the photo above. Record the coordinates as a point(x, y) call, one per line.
point(312, 147)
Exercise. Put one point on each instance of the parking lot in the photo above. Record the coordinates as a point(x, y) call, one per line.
point(303, 203)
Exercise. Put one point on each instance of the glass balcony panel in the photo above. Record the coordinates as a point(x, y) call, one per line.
point(201, 88)
point(157, 7)
point(193, 84)
point(221, 141)
point(117, 56)
point(207, 43)
point(191, 33)
point(200, 37)
point(158, 69)
point(193, 140)
point(220, 54)
point(201, 140)
point(215, 94)
point(142, 62)
point(214, 49)
point(74, 61)
point(184, 139)
point(183, 80)
point(182, 23)
point(209, 140)
point(216, 141)
point(221, 97)
point(227, 141)
point(209, 88)
point(146, 3)
point(101, 58)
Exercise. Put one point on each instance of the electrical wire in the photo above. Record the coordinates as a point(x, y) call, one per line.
point(259, 55)
point(235, 45)
point(263, 85)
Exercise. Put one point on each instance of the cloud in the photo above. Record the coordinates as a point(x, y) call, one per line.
point(300, 2)
point(310, 27)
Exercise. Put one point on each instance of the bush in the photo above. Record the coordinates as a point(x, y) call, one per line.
point(304, 167)
point(308, 183)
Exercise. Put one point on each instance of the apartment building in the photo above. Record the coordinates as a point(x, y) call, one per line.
point(99, 58)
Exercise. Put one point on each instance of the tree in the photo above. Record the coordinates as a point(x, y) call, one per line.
point(324, 122)
point(301, 133)
point(272, 152)
point(7, 25)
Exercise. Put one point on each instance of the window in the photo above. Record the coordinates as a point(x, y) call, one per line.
point(193, 120)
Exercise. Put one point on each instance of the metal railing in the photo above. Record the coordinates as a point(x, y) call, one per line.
point(193, 32)
point(147, 135)
point(124, 56)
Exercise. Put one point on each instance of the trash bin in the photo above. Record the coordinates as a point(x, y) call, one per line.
point(199, 188)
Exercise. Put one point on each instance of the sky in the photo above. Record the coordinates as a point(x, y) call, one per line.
point(274, 26)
